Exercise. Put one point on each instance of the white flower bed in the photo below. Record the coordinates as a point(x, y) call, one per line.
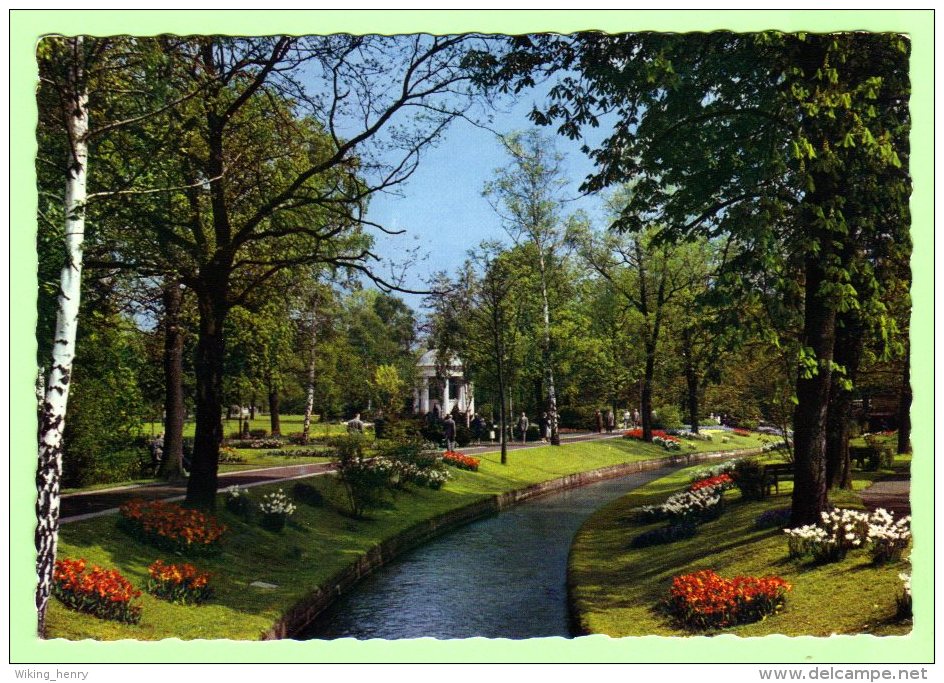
point(843, 530)
point(277, 503)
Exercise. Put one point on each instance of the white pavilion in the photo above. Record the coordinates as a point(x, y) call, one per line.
point(456, 391)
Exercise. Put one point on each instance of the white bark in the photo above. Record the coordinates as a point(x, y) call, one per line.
point(310, 397)
point(49, 471)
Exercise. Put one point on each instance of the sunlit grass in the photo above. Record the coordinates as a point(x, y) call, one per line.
point(317, 544)
point(617, 589)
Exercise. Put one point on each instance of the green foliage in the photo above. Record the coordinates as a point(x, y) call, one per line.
point(366, 482)
point(668, 417)
point(103, 440)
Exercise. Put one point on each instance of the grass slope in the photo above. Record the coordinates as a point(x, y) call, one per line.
point(317, 543)
point(616, 589)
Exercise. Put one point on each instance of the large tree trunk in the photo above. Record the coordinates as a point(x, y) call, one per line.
point(691, 380)
point(809, 421)
point(53, 412)
point(201, 487)
point(904, 404)
point(274, 411)
point(172, 462)
point(847, 353)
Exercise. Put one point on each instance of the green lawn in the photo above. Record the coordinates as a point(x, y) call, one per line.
point(616, 589)
point(317, 544)
point(288, 423)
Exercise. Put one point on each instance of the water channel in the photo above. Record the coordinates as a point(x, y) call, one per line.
point(500, 577)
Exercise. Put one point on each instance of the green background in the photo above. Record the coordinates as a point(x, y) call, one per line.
point(26, 26)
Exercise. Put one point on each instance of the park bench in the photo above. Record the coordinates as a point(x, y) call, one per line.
point(773, 473)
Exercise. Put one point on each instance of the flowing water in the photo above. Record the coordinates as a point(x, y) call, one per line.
point(500, 577)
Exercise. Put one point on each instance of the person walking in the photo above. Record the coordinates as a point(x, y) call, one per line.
point(599, 422)
point(449, 427)
point(545, 425)
point(610, 421)
point(626, 419)
point(523, 425)
point(635, 417)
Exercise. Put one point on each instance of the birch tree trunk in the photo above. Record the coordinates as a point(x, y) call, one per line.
point(53, 413)
point(548, 364)
point(310, 396)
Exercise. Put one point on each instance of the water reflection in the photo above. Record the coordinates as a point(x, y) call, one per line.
point(501, 577)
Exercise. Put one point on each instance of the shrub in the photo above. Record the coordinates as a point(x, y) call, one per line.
point(365, 481)
point(258, 433)
point(104, 593)
point(749, 477)
point(307, 494)
point(239, 502)
point(704, 600)
point(461, 461)
point(887, 538)
point(663, 535)
point(182, 584)
point(170, 527)
point(880, 454)
point(668, 417)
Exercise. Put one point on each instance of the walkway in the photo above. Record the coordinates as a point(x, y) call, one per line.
point(78, 506)
point(892, 493)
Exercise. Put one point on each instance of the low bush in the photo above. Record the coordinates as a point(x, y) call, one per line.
point(258, 433)
point(182, 584)
point(170, 527)
point(663, 535)
point(667, 417)
point(104, 593)
point(366, 482)
point(750, 478)
point(704, 601)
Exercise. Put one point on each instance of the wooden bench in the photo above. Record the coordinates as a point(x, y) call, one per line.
point(773, 473)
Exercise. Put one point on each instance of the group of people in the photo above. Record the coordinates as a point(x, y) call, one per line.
point(608, 421)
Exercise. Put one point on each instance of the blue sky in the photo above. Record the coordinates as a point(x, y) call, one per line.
point(442, 208)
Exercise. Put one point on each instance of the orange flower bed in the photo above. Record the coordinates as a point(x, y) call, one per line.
point(180, 583)
point(741, 432)
point(170, 526)
point(704, 600)
point(104, 593)
point(637, 434)
point(463, 462)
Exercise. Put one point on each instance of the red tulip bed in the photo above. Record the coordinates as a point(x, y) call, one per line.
point(704, 601)
point(104, 593)
point(461, 461)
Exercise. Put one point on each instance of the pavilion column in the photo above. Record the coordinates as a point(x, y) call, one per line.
point(445, 406)
point(424, 396)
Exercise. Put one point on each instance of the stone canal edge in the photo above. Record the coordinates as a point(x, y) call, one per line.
point(305, 611)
